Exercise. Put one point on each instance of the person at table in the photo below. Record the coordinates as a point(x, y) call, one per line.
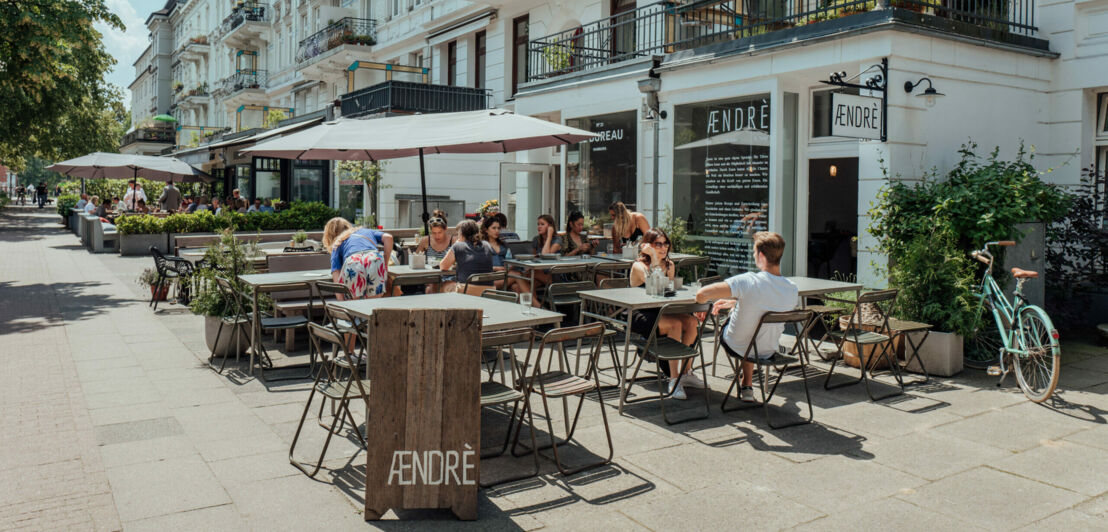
point(434, 247)
point(505, 234)
point(256, 207)
point(749, 295)
point(235, 196)
point(627, 226)
point(655, 253)
point(490, 233)
point(356, 261)
point(240, 205)
point(202, 204)
point(93, 202)
point(103, 209)
point(80, 203)
point(171, 198)
point(547, 242)
point(141, 207)
point(134, 194)
point(575, 242)
point(216, 207)
point(469, 255)
point(266, 206)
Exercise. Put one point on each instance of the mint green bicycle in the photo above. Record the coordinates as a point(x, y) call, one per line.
point(1024, 337)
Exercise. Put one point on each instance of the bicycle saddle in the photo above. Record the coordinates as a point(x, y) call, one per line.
point(1024, 274)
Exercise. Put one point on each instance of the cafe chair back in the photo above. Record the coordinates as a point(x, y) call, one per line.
point(781, 363)
point(503, 392)
point(875, 337)
point(267, 322)
point(601, 271)
point(477, 283)
point(562, 384)
point(660, 349)
point(235, 323)
point(329, 385)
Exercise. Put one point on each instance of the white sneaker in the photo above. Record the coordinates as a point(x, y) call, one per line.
point(692, 381)
point(676, 390)
point(747, 394)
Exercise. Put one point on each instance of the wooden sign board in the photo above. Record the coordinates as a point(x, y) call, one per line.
point(424, 411)
point(855, 116)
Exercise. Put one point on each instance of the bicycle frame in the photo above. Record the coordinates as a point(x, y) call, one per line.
point(1004, 312)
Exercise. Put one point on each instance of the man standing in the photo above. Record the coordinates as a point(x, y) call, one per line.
point(40, 192)
point(748, 296)
point(170, 200)
point(134, 195)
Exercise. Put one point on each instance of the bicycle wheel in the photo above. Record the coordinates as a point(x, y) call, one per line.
point(982, 348)
point(1038, 370)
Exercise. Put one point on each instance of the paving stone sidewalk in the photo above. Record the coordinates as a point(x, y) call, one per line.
point(112, 420)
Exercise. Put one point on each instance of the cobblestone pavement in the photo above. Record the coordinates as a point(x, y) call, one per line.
point(112, 420)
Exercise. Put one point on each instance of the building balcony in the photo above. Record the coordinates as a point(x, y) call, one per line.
point(195, 49)
point(329, 51)
point(147, 140)
point(404, 97)
point(667, 27)
point(194, 98)
point(247, 24)
point(245, 86)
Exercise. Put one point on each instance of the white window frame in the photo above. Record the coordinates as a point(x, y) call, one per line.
point(1101, 125)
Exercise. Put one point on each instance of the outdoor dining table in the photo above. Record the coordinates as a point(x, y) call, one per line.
point(400, 271)
point(630, 300)
point(497, 315)
point(256, 280)
point(532, 265)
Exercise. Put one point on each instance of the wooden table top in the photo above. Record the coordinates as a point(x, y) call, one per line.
point(262, 279)
point(498, 315)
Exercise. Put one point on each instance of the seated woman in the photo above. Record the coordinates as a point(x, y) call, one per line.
point(141, 207)
point(547, 242)
point(471, 255)
point(655, 253)
point(434, 247)
point(627, 226)
point(506, 234)
point(490, 232)
point(355, 259)
point(576, 244)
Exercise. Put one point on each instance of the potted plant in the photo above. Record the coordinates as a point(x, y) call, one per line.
point(298, 239)
point(177, 86)
point(230, 256)
point(149, 277)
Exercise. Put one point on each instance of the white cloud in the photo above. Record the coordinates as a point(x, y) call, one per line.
point(126, 46)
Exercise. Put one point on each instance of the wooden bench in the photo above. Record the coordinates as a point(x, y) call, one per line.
point(204, 240)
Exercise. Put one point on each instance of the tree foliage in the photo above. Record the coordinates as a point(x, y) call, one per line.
point(56, 104)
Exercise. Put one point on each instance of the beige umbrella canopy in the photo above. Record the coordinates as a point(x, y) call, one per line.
point(486, 131)
point(101, 165)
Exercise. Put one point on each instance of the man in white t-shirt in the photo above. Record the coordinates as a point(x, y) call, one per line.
point(749, 296)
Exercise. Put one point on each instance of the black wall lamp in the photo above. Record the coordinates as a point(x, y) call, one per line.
point(929, 94)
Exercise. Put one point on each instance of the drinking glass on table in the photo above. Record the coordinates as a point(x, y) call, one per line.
point(525, 302)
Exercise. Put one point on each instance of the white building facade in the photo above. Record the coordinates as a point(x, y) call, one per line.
point(714, 111)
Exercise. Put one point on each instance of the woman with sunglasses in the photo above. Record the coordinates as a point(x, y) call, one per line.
point(655, 253)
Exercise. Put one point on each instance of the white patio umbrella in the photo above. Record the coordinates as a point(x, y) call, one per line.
point(742, 137)
point(101, 165)
point(486, 131)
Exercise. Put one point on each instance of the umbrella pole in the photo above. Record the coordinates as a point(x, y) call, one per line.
point(423, 188)
point(134, 190)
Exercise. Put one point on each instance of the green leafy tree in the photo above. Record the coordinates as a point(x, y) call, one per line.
point(368, 173)
point(52, 65)
point(273, 117)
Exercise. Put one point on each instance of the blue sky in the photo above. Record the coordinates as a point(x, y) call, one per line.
point(126, 46)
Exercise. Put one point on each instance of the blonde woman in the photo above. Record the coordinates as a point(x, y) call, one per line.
point(627, 226)
point(356, 261)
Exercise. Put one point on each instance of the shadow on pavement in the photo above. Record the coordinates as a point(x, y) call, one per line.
point(74, 301)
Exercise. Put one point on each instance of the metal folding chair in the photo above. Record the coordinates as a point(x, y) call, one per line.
point(433, 277)
point(600, 271)
point(170, 269)
point(881, 338)
point(500, 393)
point(904, 329)
point(561, 384)
point(484, 279)
point(662, 349)
point(237, 321)
point(339, 390)
point(692, 262)
point(501, 295)
point(782, 363)
point(268, 323)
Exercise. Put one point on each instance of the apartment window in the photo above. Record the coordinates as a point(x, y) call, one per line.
point(452, 63)
point(396, 8)
point(519, 51)
point(1101, 139)
point(479, 60)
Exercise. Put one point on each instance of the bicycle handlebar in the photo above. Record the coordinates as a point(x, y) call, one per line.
point(981, 257)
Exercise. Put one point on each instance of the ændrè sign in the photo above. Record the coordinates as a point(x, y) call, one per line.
point(855, 116)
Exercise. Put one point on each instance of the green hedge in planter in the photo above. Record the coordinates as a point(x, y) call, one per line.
point(307, 216)
point(66, 202)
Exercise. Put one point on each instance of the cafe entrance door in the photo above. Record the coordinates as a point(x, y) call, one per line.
point(832, 217)
point(527, 191)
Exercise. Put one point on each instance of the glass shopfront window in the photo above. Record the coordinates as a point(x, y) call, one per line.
point(242, 180)
point(602, 171)
point(267, 179)
point(721, 158)
point(351, 192)
point(308, 180)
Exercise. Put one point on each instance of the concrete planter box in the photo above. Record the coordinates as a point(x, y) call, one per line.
point(226, 345)
point(139, 245)
point(941, 353)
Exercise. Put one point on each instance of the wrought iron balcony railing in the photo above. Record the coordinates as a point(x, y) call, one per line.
point(348, 30)
point(149, 134)
point(244, 79)
point(408, 97)
point(669, 26)
point(243, 12)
